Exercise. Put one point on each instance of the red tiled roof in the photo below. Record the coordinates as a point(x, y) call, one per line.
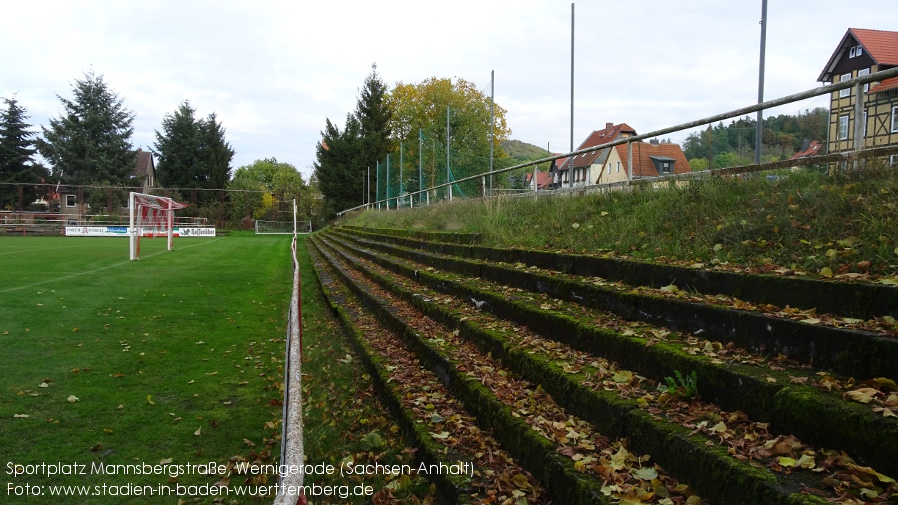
point(812, 150)
point(595, 138)
point(642, 161)
point(881, 45)
point(543, 179)
point(890, 83)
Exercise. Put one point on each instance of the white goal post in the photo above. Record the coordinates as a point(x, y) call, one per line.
point(150, 216)
point(283, 227)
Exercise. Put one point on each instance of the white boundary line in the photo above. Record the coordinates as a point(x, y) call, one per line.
point(107, 267)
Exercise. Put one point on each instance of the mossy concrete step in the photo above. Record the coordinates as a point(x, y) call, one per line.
point(538, 455)
point(820, 418)
point(851, 299)
point(451, 489)
point(859, 354)
point(709, 469)
point(443, 237)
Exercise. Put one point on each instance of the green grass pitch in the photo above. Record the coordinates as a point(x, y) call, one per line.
point(173, 359)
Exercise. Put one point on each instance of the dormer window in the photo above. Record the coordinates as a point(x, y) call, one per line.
point(663, 164)
point(856, 51)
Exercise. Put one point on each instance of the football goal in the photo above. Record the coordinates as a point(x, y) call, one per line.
point(150, 216)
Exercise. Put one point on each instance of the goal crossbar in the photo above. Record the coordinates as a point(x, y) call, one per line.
point(282, 227)
point(150, 216)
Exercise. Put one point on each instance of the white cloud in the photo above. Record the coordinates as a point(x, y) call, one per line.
point(273, 72)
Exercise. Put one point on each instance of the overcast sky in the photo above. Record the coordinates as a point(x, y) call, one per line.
point(274, 71)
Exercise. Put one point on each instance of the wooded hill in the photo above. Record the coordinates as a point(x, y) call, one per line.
point(730, 144)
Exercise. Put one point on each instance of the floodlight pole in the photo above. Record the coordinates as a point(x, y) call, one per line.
point(492, 122)
point(448, 181)
point(760, 126)
point(571, 168)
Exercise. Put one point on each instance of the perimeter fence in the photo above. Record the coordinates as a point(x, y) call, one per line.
point(402, 181)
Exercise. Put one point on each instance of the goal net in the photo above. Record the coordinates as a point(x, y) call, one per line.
point(150, 216)
point(282, 227)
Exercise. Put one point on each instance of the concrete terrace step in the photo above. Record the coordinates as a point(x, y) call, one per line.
point(767, 395)
point(721, 478)
point(859, 354)
point(853, 299)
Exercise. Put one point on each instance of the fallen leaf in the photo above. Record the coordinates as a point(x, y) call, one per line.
point(72, 399)
point(21, 415)
point(198, 431)
point(646, 474)
point(862, 395)
point(150, 400)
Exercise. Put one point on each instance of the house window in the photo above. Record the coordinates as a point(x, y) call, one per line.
point(665, 168)
point(843, 125)
point(618, 167)
point(847, 91)
point(893, 160)
point(895, 119)
point(853, 52)
point(864, 71)
point(70, 200)
point(860, 50)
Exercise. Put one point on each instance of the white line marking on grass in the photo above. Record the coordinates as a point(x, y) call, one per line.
point(107, 267)
point(16, 252)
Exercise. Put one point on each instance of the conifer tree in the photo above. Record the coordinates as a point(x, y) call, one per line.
point(192, 153)
point(344, 157)
point(16, 159)
point(90, 143)
point(177, 149)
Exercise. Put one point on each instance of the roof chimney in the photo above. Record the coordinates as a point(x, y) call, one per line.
point(805, 144)
point(609, 126)
point(654, 142)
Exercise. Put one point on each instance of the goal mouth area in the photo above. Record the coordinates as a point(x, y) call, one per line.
point(150, 216)
point(282, 227)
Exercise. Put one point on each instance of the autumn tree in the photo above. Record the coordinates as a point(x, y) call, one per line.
point(259, 186)
point(90, 143)
point(18, 172)
point(424, 108)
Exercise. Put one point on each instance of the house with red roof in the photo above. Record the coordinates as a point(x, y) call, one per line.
point(584, 168)
point(862, 52)
point(808, 149)
point(650, 159)
point(609, 165)
point(543, 180)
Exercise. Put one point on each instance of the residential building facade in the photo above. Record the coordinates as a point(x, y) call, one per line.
point(585, 168)
point(862, 52)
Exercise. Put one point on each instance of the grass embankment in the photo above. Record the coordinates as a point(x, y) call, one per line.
point(173, 359)
point(804, 221)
